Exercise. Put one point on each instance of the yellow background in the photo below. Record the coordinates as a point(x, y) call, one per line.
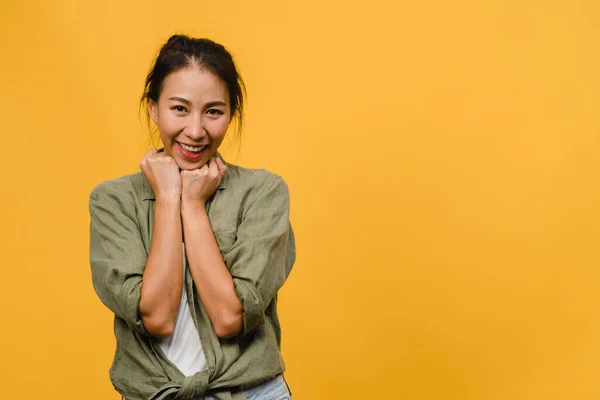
point(442, 160)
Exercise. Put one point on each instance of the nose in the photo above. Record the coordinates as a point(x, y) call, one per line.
point(196, 130)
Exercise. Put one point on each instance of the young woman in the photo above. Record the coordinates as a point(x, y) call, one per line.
point(190, 252)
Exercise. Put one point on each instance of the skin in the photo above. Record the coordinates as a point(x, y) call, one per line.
point(192, 109)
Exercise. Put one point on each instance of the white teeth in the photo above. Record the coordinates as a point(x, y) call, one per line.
point(191, 148)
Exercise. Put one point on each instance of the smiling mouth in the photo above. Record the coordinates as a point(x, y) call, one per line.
point(192, 151)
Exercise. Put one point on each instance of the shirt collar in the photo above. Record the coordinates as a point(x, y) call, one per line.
point(149, 194)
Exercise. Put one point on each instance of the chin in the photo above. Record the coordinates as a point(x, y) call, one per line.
point(190, 165)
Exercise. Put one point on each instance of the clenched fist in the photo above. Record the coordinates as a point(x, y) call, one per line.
point(199, 184)
point(162, 173)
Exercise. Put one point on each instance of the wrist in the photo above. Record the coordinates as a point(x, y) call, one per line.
point(171, 199)
point(193, 205)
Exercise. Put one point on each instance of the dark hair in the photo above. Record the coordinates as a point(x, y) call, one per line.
point(182, 51)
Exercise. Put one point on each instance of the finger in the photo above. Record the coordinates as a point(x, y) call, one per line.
point(188, 176)
point(221, 165)
point(162, 158)
point(149, 153)
point(203, 170)
point(222, 168)
point(209, 165)
point(214, 167)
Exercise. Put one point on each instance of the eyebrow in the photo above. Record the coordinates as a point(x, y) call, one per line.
point(181, 99)
point(189, 103)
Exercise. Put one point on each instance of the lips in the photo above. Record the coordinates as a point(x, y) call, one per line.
point(191, 152)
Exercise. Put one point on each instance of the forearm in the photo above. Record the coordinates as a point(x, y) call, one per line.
point(211, 276)
point(162, 282)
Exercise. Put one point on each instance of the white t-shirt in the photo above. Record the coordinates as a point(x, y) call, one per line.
point(183, 347)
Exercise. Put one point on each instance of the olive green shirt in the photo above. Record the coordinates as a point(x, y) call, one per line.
point(249, 215)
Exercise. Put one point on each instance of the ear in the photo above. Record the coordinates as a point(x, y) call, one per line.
point(153, 110)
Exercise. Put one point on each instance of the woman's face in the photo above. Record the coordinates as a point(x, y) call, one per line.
point(192, 115)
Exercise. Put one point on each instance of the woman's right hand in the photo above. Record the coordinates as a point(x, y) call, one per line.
point(162, 173)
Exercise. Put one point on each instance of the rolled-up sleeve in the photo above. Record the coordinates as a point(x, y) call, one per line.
point(117, 257)
point(263, 254)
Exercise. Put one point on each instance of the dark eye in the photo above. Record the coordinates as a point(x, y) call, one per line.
point(214, 111)
point(179, 108)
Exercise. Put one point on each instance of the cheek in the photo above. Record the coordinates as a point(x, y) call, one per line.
point(167, 126)
point(219, 128)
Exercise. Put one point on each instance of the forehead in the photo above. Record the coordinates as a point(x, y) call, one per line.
point(195, 84)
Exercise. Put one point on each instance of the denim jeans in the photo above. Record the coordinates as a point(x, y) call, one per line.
point(275, 389)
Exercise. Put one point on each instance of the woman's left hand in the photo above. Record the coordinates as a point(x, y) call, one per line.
point(199, 184)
